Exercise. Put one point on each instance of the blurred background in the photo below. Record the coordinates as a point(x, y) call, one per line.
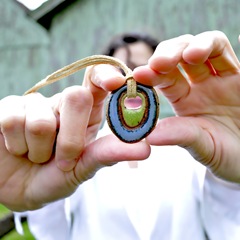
point(39, 39)
point(34, 43)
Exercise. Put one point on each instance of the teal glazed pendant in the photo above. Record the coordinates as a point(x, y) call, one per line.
point(132, 124)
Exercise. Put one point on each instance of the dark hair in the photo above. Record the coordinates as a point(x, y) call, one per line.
point(128, 38)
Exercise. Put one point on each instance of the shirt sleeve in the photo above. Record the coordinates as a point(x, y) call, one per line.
point(221, 208)
point(49, 222)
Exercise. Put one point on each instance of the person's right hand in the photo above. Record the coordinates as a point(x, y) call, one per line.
point(205, 96)
point(48, 146)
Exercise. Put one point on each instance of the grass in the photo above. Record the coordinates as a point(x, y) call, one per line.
point(13, 235)
point(3, 211)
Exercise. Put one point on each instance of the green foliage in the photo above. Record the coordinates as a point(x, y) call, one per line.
point(13, 235)
point(3, 211)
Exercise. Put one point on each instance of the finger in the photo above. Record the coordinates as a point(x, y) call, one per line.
point(101, 79)
point(195, 136)
point(74, 110)
point(107, 151)
point(215, 47)
point(173, 84)
point(197, 73)
point(163, 71)
point(12, 122)
point(173, 131)
point(169, 53)
point(40, 128)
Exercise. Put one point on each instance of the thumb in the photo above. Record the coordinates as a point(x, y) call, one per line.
point(107, 151)
point(73, 110)
point(187, 132)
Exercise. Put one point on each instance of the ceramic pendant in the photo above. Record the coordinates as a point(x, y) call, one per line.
point(132, 119)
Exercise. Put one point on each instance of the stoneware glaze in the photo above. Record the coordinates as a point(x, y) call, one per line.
point(132, 124)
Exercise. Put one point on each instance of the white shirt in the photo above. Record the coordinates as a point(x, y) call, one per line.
point(167, 197)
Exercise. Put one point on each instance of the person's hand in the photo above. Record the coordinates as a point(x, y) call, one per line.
point(47, 146)
point(205, 95)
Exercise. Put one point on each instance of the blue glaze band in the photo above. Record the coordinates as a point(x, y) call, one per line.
point(135, 134)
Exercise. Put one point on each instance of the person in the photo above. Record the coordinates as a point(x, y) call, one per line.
point(168, 196)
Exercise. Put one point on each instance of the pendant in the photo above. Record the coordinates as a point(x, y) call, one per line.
point(132, 119)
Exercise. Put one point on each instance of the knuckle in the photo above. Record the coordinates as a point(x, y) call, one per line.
point(72, 146)
point(220, 34)
point(16, 150)
point(11, 123)
point(41, 128)
point(78, 96)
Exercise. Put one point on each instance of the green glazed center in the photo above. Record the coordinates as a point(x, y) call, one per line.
point(133, 116)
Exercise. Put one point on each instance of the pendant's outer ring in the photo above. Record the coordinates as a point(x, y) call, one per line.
point(136, 134)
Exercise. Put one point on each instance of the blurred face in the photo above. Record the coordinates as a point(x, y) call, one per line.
point(136, 54)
